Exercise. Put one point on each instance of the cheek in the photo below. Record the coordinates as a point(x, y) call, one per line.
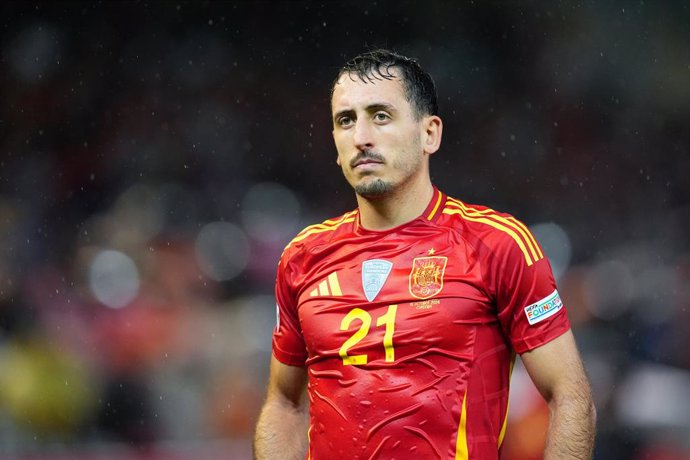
point(341, 159)
point(410, 157)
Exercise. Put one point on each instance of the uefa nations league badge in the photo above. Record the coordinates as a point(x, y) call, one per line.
point(374, 275)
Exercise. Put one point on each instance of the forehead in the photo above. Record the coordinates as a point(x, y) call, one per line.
point(351, 92)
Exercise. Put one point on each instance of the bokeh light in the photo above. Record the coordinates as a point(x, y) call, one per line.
point(555, 242)
point(222, 250)
point(113, 278)
point(35, 52)
point(610, 288)
point(270, 212)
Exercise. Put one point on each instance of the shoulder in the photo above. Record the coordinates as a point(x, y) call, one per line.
point(495, 230)
point(317, 234)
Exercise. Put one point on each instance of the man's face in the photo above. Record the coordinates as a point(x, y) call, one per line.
point(376, 134)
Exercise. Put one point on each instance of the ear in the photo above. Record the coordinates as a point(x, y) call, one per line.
point(431, 136)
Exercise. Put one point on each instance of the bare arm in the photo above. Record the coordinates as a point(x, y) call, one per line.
point(281, 432)
point(557, 371)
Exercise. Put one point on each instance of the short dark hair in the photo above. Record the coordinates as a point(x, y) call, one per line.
point(418, 85)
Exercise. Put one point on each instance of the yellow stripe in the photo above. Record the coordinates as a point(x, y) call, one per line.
point(512, 222)
point(522, 228)
point(314, 293)
point(325, 226)
point(461, 450)
point(502, 434)
point(438, 202)
point(309, 443)
point(531, 237)
point(323, 288)
point(303, 235)
point(328, 223)
point(334, 284)
point(536, 251)
point(496, 225)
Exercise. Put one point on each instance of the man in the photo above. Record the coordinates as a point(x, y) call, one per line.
point(403, 317)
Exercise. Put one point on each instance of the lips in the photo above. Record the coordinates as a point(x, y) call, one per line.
point(366, 158)
point(367, 162)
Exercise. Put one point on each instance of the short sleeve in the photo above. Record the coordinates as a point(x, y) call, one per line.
point(288, 342)
point(529, 307)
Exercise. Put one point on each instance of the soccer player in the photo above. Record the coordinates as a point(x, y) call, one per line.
point(403, 318)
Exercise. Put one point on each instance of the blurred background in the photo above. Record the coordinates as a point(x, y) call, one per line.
point(156, 157)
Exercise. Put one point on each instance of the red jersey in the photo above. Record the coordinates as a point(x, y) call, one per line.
point(409, 334)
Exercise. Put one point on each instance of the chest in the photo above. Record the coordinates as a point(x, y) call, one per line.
point(383, 301)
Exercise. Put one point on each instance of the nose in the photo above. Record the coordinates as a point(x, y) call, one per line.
point(363, 135)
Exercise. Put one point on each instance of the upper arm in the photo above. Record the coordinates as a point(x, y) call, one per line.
point(529, 307)
point(556, 367)
point(287, 383)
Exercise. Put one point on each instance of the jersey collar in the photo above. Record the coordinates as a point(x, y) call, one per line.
point(430, 214)
point(434, 207)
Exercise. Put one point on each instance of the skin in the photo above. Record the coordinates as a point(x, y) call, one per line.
point(383, 150)
point(375, 122)
point(557, 371)
point(282, 425)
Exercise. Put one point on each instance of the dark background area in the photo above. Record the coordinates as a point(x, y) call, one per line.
point(155, 158)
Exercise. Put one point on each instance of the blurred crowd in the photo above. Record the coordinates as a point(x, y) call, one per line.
point(155, 158)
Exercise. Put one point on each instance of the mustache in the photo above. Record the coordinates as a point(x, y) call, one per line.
point(367, 155)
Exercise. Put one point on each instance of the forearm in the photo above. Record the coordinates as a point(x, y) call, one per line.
point(281, 432)
point(572, 426)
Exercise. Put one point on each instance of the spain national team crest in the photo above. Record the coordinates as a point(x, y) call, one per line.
point(426, 277)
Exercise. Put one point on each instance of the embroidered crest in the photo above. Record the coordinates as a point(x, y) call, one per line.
point(374, 275)
point(426, 277)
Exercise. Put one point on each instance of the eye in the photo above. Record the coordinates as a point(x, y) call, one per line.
point(381, 117)
point(344, 122)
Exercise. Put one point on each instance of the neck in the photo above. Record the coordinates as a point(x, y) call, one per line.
point(397, 208)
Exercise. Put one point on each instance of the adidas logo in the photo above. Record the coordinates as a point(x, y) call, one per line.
point(328, 287)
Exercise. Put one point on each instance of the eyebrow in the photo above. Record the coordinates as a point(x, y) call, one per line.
point(371, 108)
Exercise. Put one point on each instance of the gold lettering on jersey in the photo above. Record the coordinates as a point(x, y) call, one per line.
point(426, 277)
point(425, 304)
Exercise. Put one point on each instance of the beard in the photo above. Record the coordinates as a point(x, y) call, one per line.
point(375, 188)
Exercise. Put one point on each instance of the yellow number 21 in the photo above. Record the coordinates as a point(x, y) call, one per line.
point(365, 318)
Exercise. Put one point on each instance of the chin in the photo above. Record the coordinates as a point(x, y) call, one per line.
point(377, 188)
